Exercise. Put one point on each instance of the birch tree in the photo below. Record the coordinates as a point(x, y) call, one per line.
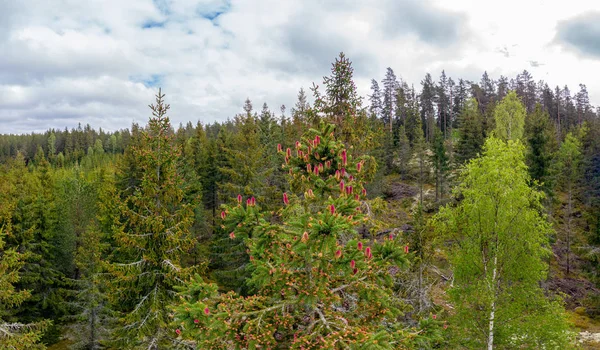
point(499, 245)
point(510, 118)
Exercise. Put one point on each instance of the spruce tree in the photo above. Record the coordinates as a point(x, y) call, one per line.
point(318, 283)
point(426, 102)
point(33, 224)
point(390, 84)
point(92, 319)
point(440, 161)
point(375, 104)
point(541, 145)
point(342, 106)
point(567, 173)
point(404, 153)
point(154, 237)
point(15, 335)
point(470, 132)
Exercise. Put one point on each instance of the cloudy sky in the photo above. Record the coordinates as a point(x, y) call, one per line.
point(101, 61)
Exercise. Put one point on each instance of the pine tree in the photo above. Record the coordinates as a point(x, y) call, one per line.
point(443, 104)
point(390, 84)
point(499, 244)
point(426, 99)
point(154, 237)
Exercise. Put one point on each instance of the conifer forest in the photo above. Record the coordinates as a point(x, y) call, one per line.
point(451, 214)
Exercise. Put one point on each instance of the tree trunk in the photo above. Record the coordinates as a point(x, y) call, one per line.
point(490, 344)
point(93, 329)
point(569, 214)
point(420, 286)
point(421, 179)
point(558, 118)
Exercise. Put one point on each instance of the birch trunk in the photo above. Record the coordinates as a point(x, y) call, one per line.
point(493, 308)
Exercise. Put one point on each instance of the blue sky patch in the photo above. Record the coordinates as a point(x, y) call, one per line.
point(153, 24)
point(153, 80)
point(212, 12)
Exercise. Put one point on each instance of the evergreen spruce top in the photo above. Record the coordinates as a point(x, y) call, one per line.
point(155, 233)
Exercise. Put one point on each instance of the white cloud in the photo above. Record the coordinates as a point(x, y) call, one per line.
point(100, 62)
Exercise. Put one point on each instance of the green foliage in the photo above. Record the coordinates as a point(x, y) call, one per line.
point(441, 165)
point(567, 172)
point(246, 169)
point(568, 161)
point(509, 116)
point(541, 145)
point(154, 237)
point(15, 335)
point(101, 229)
point(318, 284)
point(33, 220)
point(470, 139)
point(342, 106)
point(500, 241)
point(91, 317)
point(404, 153)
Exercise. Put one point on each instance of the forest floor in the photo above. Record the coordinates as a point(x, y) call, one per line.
point(64, 344)
point(589, 330)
